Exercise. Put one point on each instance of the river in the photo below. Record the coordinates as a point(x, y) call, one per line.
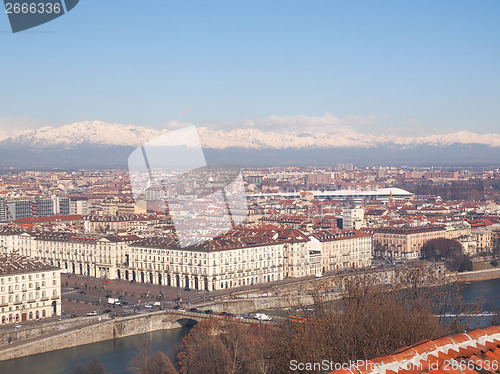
point(116, 354)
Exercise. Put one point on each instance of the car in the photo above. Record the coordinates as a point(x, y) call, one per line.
point(194, 310)
point(132, 281)
point(124, 303)
point(242, 316)
point(181, 309)
point(17, 325)
point(223, 314)
point(74, 316)
point(106, 311)
point(94, 313)
point(209, 311)
point(148, 306)
point(262, 317)
point(83, 292)
point(187, 289)
point(109, 296)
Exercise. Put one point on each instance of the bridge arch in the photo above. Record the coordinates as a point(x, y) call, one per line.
point(186, 322)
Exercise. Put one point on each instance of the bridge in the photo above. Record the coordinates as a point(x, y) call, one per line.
point(174, 318)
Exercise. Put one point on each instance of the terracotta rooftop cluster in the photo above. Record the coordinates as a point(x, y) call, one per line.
point(474, 352)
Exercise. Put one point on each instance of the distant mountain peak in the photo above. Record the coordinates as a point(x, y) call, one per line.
point(87, 132)
point(113, 134)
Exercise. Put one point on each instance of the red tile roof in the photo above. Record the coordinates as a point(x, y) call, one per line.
point(474, 352)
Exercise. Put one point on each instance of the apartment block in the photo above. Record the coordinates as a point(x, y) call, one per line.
point(29, 289)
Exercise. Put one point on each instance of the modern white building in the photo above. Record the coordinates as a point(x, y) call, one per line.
point(29, 289)
point(79, 205)
point(353, 218)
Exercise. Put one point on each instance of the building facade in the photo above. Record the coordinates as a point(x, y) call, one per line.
point(217, 264)
point(92, 255)
point(29, 289)
point(404, 242)
point(343, 249)
point(353, 218)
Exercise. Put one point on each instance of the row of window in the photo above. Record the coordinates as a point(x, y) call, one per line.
point(4, 280)
point(11, 288)
point(31, 297)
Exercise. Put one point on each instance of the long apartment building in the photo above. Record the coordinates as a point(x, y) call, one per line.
point(405, 242)
point(13, 209)
point(29, 289)
point(220, 263)
point(93, 255)
point(342, 249)
point(241, 257)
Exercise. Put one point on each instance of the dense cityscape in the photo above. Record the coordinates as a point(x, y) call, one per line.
point(254, 187)
point(300, 223)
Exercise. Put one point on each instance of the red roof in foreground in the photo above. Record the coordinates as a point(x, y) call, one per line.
point(474, 352)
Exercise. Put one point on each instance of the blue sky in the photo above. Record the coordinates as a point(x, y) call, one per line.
point(413, 67)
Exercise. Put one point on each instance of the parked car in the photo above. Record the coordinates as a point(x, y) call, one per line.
point(262, 317)
point(17, 325)
point(124, 303)
point(181, 309)
point(209, 311)
point(94, 313)
point(74, 316)
point(107, 311)
point(193, 310)
point(148, 306)
point(187, 289)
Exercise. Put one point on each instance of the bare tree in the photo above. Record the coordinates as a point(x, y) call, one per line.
point(374, 314)
point(95, 367)
point(140, 360)
point(158, 363)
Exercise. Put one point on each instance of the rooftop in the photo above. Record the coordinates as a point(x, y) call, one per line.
point(20, 264)
point(474, 352)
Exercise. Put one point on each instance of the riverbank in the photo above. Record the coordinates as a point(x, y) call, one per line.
point(478, 275)
point(115, 355)
point(92, 332)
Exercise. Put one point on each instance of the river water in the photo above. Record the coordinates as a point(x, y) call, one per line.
point(116, 354)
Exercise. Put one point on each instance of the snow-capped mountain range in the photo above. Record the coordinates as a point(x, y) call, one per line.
point(111, 134)
point(97, 145)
